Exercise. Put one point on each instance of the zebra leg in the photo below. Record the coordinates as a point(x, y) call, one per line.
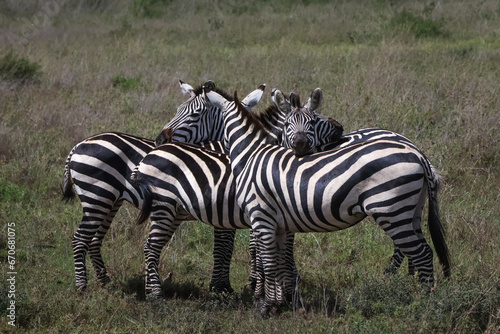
point(292, 277)
point(80, 242)
point(162, 229)
point(281, 272)
point(408, 238)
point(96, 243)
point(417, 250)
point(252, 248)
point(223, 251)
point(395, 262)
point(265, 290)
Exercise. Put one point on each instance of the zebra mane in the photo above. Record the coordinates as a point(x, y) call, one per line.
point(269, 111)
point(254, 120)
point(199, 90)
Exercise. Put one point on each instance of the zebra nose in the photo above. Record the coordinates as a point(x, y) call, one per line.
point(301, 145)
point(165, 136)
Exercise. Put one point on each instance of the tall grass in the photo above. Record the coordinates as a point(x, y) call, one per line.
point(112, 66)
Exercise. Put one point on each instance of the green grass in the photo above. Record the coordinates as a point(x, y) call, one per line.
point(429, 71)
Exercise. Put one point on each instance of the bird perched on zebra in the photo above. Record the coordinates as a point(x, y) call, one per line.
point(329, 191)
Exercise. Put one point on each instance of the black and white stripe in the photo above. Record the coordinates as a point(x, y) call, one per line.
point(171, 167)
point(329, 191)
point(99, 168)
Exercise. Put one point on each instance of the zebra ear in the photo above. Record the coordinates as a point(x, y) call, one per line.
point(280, 101)
point(186, 89)
point(253, 98)
point(315, 100)
point(294, 100)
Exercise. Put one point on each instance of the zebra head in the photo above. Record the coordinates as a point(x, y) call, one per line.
point(299, 125)
point(198, 121)
point(304, 130)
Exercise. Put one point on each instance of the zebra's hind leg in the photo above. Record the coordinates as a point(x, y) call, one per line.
point(395, 263)
point(81, 243)
point(162, 229)
point(223, 252)
point(96, 243)
point(418, 252)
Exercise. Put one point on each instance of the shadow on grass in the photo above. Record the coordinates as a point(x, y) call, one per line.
point(135, 286)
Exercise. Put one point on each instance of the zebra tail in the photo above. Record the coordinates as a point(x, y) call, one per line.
point(68, 193)
point(436, 228)
point(147, 197)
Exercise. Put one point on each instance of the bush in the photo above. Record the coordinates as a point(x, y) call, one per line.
point(150, 8)
point(14, 68)
point(416, 25)
point(126, 83)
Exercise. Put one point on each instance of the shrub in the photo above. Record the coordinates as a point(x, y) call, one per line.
point(150, 8)
point(416, 25)
point(14, 68)
point(124, 83)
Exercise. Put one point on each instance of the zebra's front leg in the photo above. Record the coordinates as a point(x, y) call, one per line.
point(291, 276)
point(162, 229)
point(252, 249)
point(223, 252)
point(266, 260)
point(96, 244)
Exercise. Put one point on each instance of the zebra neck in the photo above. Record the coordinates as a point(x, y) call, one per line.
point(273, 120)
point(244, 135)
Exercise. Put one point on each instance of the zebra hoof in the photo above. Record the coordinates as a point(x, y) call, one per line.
point(150, 297)
point(82, 287)
point(275, 310)
point(221, 288)
point(81, 290)
point(104, 280)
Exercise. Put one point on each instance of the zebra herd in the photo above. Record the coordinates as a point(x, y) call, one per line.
point(280, 171)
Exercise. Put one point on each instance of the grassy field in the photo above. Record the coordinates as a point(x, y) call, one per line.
point(70, 69)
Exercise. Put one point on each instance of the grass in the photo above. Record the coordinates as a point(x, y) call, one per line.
point(113, 66)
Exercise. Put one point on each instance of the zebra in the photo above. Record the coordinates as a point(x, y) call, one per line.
point(189, 127)
point(99, 167)
point(299, 126)
point(177, 175)
point(329, 191)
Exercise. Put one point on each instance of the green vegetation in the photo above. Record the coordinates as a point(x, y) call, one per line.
point(427, 70)
point(125, 83)
point(13, 67)
point(416, 25)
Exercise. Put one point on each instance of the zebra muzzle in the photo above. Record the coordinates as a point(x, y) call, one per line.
point(165, 136)
point(301, 144)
